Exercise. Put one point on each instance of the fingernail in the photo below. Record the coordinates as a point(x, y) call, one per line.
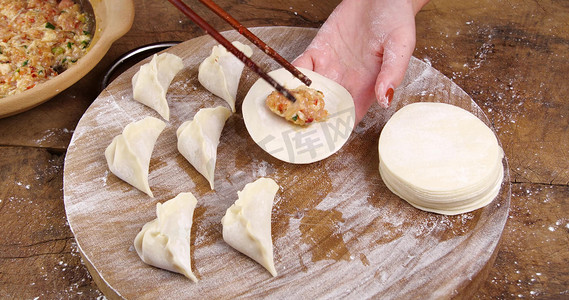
point(378, 94)
point(385, 99)
point(389, 95)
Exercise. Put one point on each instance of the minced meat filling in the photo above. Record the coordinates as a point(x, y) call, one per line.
point(308, 107)
point(38, 40)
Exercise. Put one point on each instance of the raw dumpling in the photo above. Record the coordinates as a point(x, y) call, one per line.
point(247, 223)
point(151, 82)
point(198, 139)
point(165, 241)
point(128, 155)
point(221, 71)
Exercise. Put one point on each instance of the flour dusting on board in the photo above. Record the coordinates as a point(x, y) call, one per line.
point(337, 231)
point(262, 169)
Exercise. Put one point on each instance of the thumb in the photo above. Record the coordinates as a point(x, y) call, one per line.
point(396, 56)
point(304, 61)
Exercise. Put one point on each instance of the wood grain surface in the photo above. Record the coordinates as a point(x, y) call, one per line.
point(509, 56)
point(337, 230)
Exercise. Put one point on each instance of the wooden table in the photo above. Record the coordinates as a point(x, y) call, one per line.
point(511, 57)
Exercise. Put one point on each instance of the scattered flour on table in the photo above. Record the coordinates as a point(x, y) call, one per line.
point(52, 135)
point(26, 186)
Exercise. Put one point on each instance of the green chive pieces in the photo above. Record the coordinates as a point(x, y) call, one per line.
point(57, 50)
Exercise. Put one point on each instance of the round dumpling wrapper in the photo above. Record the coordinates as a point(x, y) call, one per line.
point(292, 143)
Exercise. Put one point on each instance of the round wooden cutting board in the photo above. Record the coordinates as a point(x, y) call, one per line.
point(337, 230)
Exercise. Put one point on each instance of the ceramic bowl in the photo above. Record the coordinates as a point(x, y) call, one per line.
point(113, 18)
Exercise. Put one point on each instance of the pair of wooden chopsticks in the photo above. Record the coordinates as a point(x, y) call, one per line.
point(250, 36)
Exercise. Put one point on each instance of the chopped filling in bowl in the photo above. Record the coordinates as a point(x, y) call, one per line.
point(308, 107)
point(38, 40)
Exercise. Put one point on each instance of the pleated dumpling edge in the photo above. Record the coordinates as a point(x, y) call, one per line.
point(220, 72)
point(247, 223)
point(165, 241)
point(150, 84)
point(128, 155)
point(198, 139)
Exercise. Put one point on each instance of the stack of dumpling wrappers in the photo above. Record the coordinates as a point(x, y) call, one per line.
point(440, 158)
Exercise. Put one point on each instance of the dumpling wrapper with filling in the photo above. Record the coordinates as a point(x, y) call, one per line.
point(289, 142)
point(128, 155)
point(247, 223)
point(151, 82)
point(198, 139)
point(165, 241)
point(220, 72)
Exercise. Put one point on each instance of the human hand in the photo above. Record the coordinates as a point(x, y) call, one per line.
point(365, 46)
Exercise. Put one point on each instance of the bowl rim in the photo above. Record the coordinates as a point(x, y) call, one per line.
point(113, 19)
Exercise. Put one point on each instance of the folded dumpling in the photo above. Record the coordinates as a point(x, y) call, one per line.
point(220, 72)
point(247, 223)
point(128, 155)
point(165, 241)
point(151, 82)
point(198, 139)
